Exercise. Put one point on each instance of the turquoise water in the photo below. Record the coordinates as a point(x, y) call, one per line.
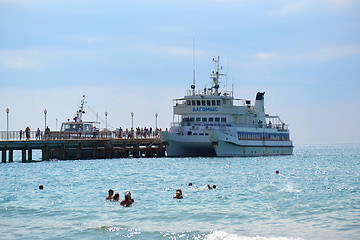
point(315, 196)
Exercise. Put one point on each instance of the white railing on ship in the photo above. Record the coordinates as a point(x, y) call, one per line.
point(281, 127)
point(53, 135)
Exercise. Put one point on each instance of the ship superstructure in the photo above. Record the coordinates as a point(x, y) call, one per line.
point(78, 126)
point(214, 123)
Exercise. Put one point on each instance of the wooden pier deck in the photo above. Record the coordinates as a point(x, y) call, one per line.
point(71, 149)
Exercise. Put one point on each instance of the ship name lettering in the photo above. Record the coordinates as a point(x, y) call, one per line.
point(205, 109)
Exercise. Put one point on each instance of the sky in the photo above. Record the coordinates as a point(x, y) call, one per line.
point(137, 56)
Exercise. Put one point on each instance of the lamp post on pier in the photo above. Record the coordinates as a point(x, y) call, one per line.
point(132, 120)
point(7, 123)
point(45, 112)
point(156, 115)
point(106, 113)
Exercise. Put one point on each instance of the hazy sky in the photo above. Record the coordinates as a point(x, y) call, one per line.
point(136, 56)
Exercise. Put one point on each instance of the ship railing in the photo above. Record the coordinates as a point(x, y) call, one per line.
point(279, 127)
point(208, 92)
point(63, 135)
point(233, 102)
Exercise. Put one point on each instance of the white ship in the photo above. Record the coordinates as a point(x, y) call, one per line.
point(213, 123)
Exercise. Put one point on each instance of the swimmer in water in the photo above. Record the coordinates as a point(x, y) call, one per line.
point(178, 194)
point(41, 187)
point(116, 197)
point(128, 200)
point(110, 196)
point(213, 187)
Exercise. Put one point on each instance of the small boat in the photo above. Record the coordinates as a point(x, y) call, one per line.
point(214, 123)
point(76, 128)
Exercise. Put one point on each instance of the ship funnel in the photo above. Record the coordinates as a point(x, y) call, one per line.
point(259, 108)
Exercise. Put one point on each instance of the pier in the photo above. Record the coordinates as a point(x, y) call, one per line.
point(81, 147)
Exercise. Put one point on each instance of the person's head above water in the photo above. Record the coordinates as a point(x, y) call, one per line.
point(178, 194)
point(127, 195)
point(128, 200)
point(116, 197)
point(41, 187)
point(111, 192)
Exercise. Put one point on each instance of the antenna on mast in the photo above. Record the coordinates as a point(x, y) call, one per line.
point(80, 112)
point(193, 86)
point(215, 75)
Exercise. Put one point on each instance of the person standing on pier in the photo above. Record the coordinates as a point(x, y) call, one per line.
point(21, 133)
point(47, 132)
point(37, 134)
point(27, 133)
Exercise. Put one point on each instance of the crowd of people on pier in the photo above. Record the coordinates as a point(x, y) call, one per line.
point(138, 132)
point(38, 134)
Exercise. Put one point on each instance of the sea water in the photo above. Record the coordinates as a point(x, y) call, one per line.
point(316, 195)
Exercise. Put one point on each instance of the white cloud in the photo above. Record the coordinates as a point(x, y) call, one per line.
point(21, 59)
point(89, 39)
point(335, 52)
point(268, 56)
point(288, 8)
point(323, 54)
point(172, 51)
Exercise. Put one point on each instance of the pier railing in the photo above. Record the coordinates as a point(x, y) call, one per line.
point(53, 135)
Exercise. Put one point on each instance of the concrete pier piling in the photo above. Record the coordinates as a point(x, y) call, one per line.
point(72, 149)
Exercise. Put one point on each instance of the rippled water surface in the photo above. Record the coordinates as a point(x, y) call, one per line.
point(315, 196)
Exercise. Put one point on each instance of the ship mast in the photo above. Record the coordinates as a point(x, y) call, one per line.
point(216, 75)
point(193, 85)
point(80, 112)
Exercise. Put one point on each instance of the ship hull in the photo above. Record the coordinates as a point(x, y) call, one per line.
point(187, 146)
point(228, 146)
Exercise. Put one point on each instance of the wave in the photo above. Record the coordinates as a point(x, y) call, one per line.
point(222, 235)
point(213, 235)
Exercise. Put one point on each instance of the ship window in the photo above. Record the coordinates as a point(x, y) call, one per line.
point(218, 102)
point(188, 102)
point(195, 134)
point(217, 119)
point(206, 134)
point(189, 133)
point(191, 119)
point(198, 119)
point(193, 102)
point(204, 119)
point(223, 119)
point(198, 102)
point(203, 102)
point(208, 102)
point(211, 119)
point(213, 102)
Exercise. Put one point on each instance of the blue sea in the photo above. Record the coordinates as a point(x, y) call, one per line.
point(316, 195)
